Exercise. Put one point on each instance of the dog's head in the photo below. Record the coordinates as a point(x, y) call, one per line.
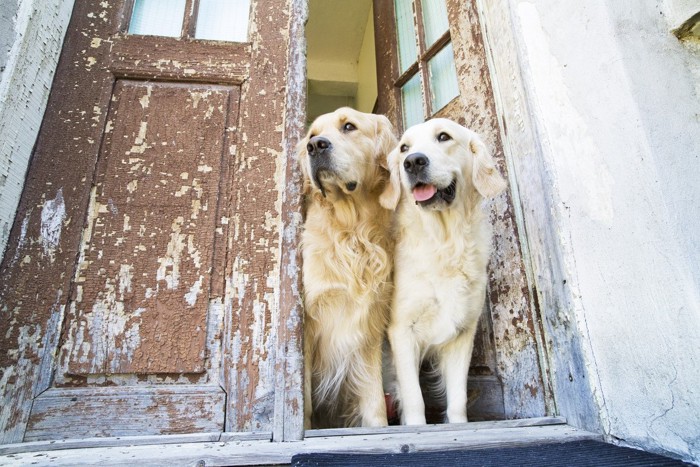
point(438, 162)
point(345, 152)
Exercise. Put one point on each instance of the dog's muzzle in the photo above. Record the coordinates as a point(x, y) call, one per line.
point(319, 149)
point(425, 193)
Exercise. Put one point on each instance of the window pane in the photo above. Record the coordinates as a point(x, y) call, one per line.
point(434, 20)
point(443, 78)
point(406, 32)
point(412, 102)
point(157, 17)
point(223, 20)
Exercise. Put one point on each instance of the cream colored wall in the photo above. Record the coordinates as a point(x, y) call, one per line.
point(367, 69)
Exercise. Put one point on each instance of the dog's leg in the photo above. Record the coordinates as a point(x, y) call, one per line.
point(406, 354)
point(372, 405)
point(454, 366)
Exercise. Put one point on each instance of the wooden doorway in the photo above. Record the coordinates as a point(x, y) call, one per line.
point(143, 292)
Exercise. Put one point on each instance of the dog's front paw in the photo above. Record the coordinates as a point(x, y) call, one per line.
point(414, 419)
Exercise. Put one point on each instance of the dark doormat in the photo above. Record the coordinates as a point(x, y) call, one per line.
point(578, 453)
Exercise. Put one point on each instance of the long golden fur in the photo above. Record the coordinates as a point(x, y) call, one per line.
point(347, 252)
point(440, 173)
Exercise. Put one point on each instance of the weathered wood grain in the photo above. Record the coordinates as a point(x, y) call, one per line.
point(266, 453)
point(126, 441)
point(289, 394)
point(525, 422)
point(169, 58)
point(126, 411)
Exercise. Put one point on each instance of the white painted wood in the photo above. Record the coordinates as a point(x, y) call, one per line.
point(288, 422)
point(123, 441)
point(270, 453)
point(541, 421)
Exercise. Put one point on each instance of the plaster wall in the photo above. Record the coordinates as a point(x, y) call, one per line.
point(31, 36)
point(616, 102)
point(367, 70)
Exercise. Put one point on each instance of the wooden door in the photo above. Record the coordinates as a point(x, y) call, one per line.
point(431, 62)
point(141, 289)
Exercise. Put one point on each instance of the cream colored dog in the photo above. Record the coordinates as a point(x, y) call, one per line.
point(440, 172)
point(347, 251)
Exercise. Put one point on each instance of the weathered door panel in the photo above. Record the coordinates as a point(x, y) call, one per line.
point(140, 289)
point(505, 375)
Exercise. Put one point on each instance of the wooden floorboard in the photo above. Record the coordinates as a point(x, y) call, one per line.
point(263, 452)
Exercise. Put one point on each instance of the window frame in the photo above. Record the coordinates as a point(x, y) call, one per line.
point(189, 22)
point(420, 66)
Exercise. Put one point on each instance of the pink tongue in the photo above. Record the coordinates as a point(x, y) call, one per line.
point(424, 192)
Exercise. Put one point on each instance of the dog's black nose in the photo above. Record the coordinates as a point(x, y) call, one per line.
point(415, 163)
point(317, 144)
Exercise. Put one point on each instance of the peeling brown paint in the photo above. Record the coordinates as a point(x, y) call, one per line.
point(168, 157)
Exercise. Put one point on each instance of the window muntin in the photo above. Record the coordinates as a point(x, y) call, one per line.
point(426, 58)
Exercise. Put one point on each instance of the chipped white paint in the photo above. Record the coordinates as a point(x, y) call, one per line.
point(146, 99)
point(195, 290)
point(198, 96)
point(22, 237)
point(140, 144)
point(169, 265)
point(34, 39)
point(52, 216)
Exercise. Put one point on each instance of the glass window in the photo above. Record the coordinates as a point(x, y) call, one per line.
point(443, 78)
point(427, 74)
point(406, 34)
point(412, 102)
point(223, 20)
point(434, 20)
point(157, 17)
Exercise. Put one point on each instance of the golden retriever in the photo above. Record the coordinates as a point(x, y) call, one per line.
point(440, 172)
point(347, 261)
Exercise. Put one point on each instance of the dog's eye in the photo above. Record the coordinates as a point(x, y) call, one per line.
point(348, 127)
point(442, 137)
point(403, 148)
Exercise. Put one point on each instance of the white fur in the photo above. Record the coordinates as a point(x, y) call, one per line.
point(347, 253)
point(440, 263)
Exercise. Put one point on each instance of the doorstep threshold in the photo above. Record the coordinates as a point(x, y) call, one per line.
point(231, 450)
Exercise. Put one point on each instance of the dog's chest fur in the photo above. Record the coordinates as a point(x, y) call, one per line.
point(352, 259)
point(440, 274)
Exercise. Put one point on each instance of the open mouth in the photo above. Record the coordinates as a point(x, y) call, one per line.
point(425, 193)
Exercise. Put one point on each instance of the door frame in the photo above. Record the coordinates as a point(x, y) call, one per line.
point(542, 248)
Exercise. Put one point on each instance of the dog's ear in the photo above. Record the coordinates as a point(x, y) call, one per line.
point(301, 154)
point(389, 198)
point(485, 175)
point(384, 140)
